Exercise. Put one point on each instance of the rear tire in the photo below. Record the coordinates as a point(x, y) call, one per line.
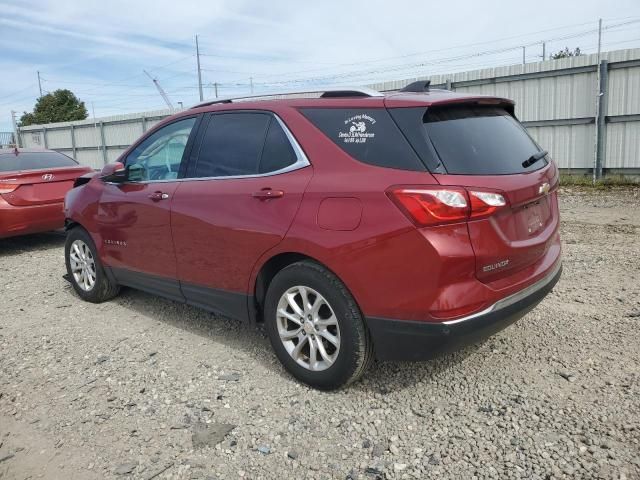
point(331, 325)
point(85, 270)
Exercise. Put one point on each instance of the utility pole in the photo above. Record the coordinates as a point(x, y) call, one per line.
point(95, 128)
point(524, 55)
point(163, 94)
point(544, 51)
point(251, 83)
point(199, 71)
point(16, 133)
point(39, 83)
point(599, 38)
point(215, 88)
point(596, 169)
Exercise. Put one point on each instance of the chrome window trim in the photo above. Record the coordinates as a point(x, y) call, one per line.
point(301, 162)
point(510, 300)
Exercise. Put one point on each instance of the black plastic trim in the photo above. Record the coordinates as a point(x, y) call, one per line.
point(415, 340)
point(224, 302)
point(161, 286)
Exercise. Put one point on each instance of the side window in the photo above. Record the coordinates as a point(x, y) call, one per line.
point(368, 135)
point(278, 152)
point(232, 145)
point(159, 156)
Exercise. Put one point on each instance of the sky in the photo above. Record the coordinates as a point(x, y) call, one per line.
point(99, 49)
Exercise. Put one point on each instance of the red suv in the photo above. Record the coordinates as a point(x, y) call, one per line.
point(355, 225)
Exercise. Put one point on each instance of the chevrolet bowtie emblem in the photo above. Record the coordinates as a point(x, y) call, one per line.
point(544, 188)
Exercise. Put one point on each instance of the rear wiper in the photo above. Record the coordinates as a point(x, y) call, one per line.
point(534, 158)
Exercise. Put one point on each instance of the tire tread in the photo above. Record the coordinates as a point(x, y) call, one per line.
point(363, 354)
point(104, 289)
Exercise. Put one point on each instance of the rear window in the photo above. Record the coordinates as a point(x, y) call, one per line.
point(10, 162)
point(368, 135)
point(480, 140)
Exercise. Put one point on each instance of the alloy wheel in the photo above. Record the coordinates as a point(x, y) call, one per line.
point(83, 265)
point(308, 328)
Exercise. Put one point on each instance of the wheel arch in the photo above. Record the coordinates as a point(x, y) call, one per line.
point(268, 271)
point(71, 224)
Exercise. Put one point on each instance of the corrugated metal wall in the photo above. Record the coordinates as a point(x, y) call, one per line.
point(92, 142)
point(555, 99)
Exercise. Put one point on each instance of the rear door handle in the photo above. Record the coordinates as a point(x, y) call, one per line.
point(157, 196)
point(267, 193)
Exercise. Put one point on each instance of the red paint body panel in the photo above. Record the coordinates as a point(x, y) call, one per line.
point(220, 229)
point(136, 230)
point(16, 221)
point(214, 233)
point(35, 205)
point(340, 213)
point(522, 232)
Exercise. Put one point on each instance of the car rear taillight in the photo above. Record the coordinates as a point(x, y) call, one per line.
point(429, 206)
point(7, 187)
point(484, 204)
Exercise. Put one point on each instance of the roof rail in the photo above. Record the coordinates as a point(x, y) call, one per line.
point(325, 93)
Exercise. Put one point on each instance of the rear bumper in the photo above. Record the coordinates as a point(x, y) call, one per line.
point(415, 340)
point(32, 219)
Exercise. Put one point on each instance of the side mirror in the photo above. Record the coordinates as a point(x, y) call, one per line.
point(136, 172)
point(114, 172)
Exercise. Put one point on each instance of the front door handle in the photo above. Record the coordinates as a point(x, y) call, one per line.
point(157, 196)
point(267, 193)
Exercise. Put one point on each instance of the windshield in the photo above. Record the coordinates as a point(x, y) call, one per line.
point(480, 140)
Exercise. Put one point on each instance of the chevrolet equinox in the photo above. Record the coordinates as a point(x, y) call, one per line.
point(354, 225)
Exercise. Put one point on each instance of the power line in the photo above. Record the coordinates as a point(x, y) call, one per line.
point(371, 72)
point(396, 68)
point(19, 91)
point(362, 62)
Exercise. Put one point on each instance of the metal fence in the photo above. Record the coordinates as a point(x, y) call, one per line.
point(6, 139)
point(555, 99)
point(92, 142)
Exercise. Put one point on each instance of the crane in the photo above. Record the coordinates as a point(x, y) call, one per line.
point(163, 94)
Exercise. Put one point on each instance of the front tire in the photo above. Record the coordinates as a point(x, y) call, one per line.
point(84, 269)
point(315, 327)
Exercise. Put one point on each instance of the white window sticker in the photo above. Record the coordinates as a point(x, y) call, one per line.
point(357, 128)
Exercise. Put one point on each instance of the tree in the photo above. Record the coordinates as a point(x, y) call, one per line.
point(58, 106)
point(566, 53)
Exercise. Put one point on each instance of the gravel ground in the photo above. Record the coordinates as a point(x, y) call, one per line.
point(142, 387)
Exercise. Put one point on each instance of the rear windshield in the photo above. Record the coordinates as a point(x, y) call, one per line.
point(480, 140)
point(10, 162)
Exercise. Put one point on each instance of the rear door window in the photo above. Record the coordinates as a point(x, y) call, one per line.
point(368, 135)
point(10, 162)
point(479, 140)
point(232, 145)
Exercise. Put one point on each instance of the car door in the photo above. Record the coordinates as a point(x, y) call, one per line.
point(245, 180)
point(134, 216)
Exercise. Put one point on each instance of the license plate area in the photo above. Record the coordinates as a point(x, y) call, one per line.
point(533, 217)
